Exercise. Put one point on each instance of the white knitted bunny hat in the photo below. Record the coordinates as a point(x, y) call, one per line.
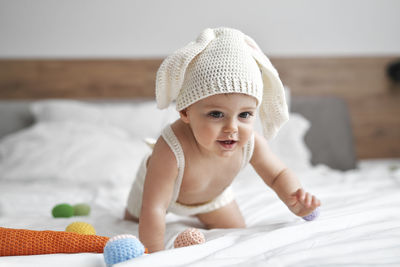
point(223, 60)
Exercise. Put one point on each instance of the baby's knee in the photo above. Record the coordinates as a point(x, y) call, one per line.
point(130, 217)
point(228, 216)
point(226, 225)
point(223, 223)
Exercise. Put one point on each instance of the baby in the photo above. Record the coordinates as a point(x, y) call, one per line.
point(218, 82)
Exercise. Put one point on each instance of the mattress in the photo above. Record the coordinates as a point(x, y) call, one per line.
point(91, 156)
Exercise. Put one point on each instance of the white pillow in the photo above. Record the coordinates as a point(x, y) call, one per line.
point(140, 119)
point(146, 120)
point(289, 143)
point(72, 152)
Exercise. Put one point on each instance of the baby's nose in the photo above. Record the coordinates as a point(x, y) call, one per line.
point(231, 126)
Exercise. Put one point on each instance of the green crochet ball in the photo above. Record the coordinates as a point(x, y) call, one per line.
point(81, 209)
point(62, 211)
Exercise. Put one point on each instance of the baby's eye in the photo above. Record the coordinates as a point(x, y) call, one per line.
point(245, 115)
point(216, 114)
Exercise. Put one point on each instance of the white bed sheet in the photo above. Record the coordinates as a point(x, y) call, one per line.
point(359, 223)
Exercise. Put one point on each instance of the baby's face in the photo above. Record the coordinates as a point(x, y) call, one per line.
point(222, 123)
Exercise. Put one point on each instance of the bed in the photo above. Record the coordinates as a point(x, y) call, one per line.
point(87, 151)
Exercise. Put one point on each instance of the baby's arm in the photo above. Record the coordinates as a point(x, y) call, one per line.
point(283, 181)
point(157, 193)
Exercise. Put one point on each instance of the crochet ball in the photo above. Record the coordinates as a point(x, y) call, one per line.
point(81, 228)
point(81, 209)
point(313, 215)
point(191, 236)
point(122, 248)
point(62, 211)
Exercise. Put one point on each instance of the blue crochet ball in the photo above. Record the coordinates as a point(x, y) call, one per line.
point(119, 249)
point(312, 216)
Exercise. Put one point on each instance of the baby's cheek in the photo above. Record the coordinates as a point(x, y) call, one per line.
point(208, 134)
point(246, 134)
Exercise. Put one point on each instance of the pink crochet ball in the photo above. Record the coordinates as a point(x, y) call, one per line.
point(191, 236)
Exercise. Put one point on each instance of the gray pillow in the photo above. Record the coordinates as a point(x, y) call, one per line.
point(14, 115)
point(330, 137)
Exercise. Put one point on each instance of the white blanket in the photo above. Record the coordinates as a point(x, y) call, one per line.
point(72, 162)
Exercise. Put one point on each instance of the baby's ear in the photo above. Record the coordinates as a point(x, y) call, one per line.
point(184, 115)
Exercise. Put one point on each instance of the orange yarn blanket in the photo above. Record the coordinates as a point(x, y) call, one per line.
point(17, 242)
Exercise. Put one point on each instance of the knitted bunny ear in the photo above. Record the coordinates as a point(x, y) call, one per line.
point(171, 73)
point(273, 109)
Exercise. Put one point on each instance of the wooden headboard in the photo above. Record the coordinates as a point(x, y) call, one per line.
point(374, 102)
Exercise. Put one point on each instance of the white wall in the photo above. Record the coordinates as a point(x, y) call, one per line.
point(151, 28)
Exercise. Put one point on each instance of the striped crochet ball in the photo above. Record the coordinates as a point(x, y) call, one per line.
point(189, 237)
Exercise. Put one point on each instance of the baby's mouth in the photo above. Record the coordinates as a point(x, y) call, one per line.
point(227, 143)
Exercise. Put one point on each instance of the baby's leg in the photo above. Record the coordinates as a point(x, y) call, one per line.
point(228, 216)
point(130, 217)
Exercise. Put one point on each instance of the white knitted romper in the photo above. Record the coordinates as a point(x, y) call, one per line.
point(134, 203)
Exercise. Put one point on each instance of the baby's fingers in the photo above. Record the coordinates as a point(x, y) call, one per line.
point(301, 195)
point(315, 202)
point(311, 201)
point(308, 200)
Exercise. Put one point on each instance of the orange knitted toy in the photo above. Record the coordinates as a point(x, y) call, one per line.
point(17, 242)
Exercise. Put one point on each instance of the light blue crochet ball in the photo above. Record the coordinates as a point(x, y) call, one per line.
point(122, 248)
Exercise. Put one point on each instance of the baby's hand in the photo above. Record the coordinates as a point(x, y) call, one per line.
point(303, 203)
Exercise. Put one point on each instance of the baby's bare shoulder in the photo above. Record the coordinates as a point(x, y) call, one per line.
point(163, 156)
